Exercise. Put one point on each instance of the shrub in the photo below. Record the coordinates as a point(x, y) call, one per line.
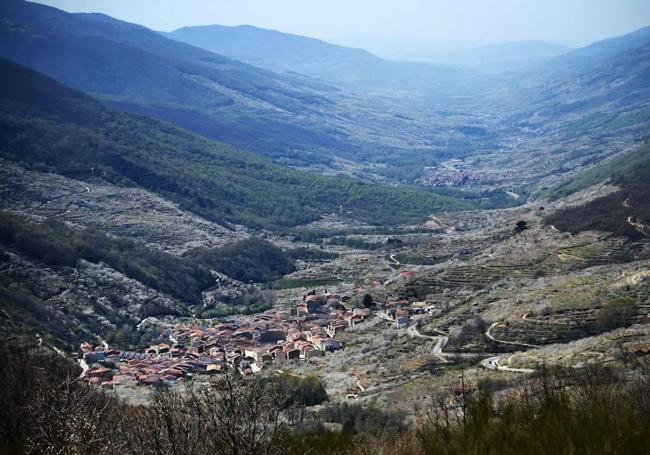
point(616, 313)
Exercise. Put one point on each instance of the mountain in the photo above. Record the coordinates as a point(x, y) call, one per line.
point(271, 49)
point(593, 90)
point(45, 125)
point(127, 243)
point(599, 54)
point(349, 67)
point(102, 55)
point(296, 120)
point(575, 110)
point(139, 70)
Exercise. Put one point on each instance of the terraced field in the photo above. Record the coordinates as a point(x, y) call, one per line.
point(613, 250)
point(562, 326)
point(550, 331)
point(474, 277)
point(463, 277)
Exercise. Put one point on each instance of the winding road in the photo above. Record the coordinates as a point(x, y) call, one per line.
point(643, 229)
point(441, 342)
point(492, 363)
point(514, 343)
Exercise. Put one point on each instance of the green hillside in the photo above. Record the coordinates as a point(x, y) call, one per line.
point(50, 127)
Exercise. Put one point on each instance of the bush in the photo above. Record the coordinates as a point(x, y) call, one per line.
point(616, 313)
point(521, 226)
point(355, 243)
point(185, 278)
point(247, 260)
point(301, 390)
point(356, 418)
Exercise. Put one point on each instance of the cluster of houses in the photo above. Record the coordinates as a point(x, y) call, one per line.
point(402, 311)
point(448, 176)
point(247, 344)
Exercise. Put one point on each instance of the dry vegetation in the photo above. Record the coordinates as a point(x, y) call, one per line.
point(562, 411)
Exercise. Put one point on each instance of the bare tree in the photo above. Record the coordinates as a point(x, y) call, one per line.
point(46, 408)
point(70, 417)
point(243, 417)
point(231, 416)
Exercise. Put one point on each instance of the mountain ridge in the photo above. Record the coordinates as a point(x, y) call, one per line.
point(118, 61)
point(336, 64)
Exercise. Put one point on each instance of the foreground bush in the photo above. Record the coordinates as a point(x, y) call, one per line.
point(44, 408)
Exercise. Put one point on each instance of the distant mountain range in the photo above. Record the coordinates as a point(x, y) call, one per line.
point(611, 75)
point(284, 52)
point(505, 56)
point(287, 53)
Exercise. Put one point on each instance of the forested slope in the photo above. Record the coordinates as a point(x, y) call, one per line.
point(50, 127)
point(625, 212)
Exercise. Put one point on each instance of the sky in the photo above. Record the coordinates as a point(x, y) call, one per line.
point(570, 22)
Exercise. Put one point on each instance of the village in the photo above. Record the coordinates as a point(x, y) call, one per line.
point(458, 173)
point(203, 350)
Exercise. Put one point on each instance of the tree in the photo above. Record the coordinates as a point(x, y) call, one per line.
point(301, 390)
point(45, 408)
point(230, 416)
point(616, 313)
point(367, 301)
point(521, 226)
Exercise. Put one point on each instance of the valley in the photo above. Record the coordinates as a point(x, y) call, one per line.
point(317, 242)
point(475, 295)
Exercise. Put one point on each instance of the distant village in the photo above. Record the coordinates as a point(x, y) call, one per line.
point(248, 343)
point(455, 173)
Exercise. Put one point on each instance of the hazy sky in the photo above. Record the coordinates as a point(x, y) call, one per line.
point(571, 22)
